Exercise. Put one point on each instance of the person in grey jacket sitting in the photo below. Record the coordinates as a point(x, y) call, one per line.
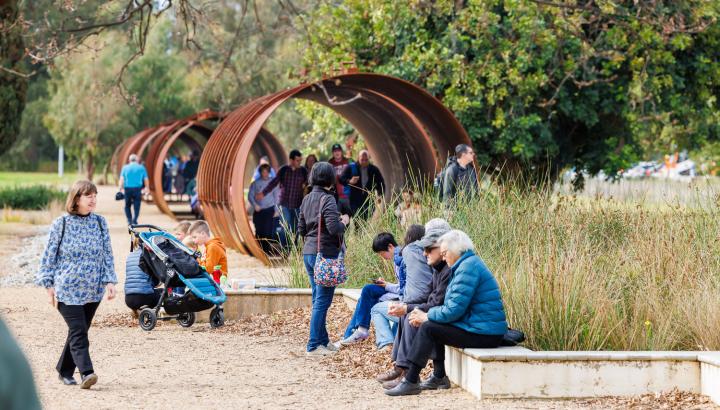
point(434, 229)
point(416, 289)
point(139, 286)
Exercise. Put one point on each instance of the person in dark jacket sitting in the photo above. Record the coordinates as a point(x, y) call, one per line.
point(319, 205)
point(472, 315)
point(139, 286)
point(434, 229)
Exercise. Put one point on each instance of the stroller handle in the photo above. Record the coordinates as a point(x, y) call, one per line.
point(132, 228)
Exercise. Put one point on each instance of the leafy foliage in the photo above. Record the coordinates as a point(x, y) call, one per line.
point(541, 86)
point(13, 85)
point(30, 197)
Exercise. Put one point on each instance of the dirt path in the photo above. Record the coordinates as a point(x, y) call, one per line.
point(195, 368)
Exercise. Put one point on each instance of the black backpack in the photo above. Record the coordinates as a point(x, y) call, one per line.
point(439, 182)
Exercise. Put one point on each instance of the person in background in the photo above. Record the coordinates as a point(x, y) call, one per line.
point(408, 210)
point(385, 246)
point(133, 180)
point(322, 228)
point(190, 243)
point(292, 179)
point(417, 278)
point(139, 286)
point(214, 253)
point(181, 230)
point(310, 161)
point(472, 315)
point(339, 162)
point(265, 210)
point(460, 175)
point(434, 229)
point(363, 178)
point(17, 387)
point(76, 269)
point(263, 160)
point(190, 169)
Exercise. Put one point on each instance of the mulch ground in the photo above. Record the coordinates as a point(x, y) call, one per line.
point(364, 361)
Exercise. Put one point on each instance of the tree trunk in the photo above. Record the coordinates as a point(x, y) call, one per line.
point(90, 166)
point(13, 85)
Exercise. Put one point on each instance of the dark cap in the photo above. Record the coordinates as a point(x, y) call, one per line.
point(337, 147)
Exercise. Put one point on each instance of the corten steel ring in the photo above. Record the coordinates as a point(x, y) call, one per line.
point(407, 131)
point(153, 145)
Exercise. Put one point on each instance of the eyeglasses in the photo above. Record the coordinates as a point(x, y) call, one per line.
point(443, 253)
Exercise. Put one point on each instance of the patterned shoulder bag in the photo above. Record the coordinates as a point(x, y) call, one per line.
point(328, 272)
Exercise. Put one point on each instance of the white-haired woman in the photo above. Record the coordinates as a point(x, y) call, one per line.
point(472, 315)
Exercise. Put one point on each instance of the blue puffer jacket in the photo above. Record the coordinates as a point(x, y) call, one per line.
point(472, 300)
point(137, 282)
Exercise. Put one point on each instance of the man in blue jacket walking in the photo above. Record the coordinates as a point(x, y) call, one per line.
point(133, 180)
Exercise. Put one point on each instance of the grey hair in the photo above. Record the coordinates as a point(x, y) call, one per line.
point(456, 242)
point(133, 158)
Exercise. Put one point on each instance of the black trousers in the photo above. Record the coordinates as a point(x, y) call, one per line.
point(432, 338)
point(264, 221)
point(136, 301)
point(404, 338)
point(77, 346)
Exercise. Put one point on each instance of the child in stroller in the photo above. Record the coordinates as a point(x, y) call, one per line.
point(174, 265)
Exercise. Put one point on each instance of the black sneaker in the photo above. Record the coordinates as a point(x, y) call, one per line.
point(88, 381)
point(68, 381)
point(405, 388)
point(435, 383)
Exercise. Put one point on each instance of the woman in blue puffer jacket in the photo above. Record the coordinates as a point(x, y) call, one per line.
point(472, 315)
point(139, 286)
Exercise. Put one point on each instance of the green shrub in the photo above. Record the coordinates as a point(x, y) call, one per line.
point(30, 197)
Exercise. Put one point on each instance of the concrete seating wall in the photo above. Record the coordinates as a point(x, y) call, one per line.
point(516, 372)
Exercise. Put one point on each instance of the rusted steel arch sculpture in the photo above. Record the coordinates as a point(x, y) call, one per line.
point(407, 131)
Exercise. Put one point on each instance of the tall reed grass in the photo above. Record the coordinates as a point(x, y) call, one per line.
point(578, 273)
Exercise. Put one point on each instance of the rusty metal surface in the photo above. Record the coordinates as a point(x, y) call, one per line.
point(407, 131)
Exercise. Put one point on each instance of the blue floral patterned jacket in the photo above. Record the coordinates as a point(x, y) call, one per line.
point(83, 264)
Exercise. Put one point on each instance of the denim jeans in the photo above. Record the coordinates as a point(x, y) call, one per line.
point(322, 297)
point(132, 198)
point(290, 218)
point(361, 317)
point(385, 324)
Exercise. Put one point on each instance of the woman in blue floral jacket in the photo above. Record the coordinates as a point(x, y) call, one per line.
point(75, 270)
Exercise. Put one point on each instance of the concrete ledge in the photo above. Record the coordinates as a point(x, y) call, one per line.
point(516, 372)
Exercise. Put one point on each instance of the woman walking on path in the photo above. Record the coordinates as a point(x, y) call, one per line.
point(76, 268)
point(320, 205)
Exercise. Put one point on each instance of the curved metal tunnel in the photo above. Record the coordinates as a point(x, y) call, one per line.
point(407, 131)
point(153, 145)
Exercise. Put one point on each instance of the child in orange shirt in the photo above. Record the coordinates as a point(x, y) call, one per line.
point(214, 253)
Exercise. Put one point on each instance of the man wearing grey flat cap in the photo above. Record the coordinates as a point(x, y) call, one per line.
point(434, 229)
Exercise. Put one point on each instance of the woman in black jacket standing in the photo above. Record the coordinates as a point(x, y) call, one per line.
point(320, 205)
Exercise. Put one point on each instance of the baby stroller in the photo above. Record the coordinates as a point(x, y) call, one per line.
point(174, 265)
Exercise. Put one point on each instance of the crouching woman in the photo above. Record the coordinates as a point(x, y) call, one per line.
point(75, 269)
point(472, 315)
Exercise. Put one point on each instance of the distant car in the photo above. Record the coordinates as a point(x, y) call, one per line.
point(642, 169)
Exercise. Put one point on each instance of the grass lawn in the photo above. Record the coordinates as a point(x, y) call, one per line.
point(9, 179)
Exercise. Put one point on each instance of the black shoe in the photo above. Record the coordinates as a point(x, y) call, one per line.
point(405, 388)
point(88, 381)
point(68, 381)
point(435, 383)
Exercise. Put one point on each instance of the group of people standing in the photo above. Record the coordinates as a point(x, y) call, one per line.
point(276, 197)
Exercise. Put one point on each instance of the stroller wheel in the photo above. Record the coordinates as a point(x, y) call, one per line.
point(186, 319)
point(217, 317)
point(147, 319)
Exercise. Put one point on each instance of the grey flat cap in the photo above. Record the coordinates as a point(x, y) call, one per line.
point(434, 229)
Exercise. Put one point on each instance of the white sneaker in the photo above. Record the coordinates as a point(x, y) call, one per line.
point(357, 337)
point(333, 347)
point(319, 351)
